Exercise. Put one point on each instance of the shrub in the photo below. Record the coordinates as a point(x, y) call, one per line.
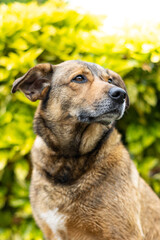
point(51, 32)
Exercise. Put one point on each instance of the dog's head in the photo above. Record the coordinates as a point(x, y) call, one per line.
point(76, 90)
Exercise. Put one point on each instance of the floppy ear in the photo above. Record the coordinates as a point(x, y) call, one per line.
point(36, 82)
point(127, 100)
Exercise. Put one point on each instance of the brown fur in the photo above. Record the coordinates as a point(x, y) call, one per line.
point(83, 177)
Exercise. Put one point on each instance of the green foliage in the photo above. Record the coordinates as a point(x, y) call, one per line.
point(51, 32)
point(21, 1)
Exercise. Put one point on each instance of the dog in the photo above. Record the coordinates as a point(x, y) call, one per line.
point(84, 186)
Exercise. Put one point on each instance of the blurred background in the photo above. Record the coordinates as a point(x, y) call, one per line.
point(121, 35)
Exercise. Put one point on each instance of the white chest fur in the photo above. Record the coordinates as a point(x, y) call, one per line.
point(56, 222)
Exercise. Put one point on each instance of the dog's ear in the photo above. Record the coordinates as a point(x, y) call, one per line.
point(36, 82)
point(127, 100)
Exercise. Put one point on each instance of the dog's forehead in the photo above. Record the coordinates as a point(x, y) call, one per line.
point(71, 66)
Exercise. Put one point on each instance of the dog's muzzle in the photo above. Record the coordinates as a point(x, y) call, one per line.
point(107, 110)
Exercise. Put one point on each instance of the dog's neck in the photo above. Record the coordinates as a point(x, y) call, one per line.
point(69, 150)
point(71, 139)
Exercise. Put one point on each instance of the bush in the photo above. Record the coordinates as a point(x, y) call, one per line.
point(31, 34)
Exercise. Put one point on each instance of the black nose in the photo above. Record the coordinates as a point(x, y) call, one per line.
point(117, 94)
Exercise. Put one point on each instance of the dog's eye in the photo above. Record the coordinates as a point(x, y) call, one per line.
point(79, 79)
point(110, 80)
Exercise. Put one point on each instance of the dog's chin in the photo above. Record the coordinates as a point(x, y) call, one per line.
point(106, 118)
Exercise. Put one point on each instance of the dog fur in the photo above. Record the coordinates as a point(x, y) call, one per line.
point(84, 185)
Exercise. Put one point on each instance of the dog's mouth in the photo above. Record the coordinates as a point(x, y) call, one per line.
point(101, 115)
point(106, 118)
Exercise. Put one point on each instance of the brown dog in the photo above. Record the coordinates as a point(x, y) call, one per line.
point(84, 185)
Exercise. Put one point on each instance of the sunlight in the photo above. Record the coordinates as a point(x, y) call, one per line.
point(121, 13)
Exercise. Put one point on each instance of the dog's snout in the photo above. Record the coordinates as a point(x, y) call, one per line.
point(117, 94)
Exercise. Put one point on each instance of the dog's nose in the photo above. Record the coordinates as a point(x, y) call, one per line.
point(117, 94)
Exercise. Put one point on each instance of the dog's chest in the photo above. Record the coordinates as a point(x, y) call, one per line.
point(56, 222)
